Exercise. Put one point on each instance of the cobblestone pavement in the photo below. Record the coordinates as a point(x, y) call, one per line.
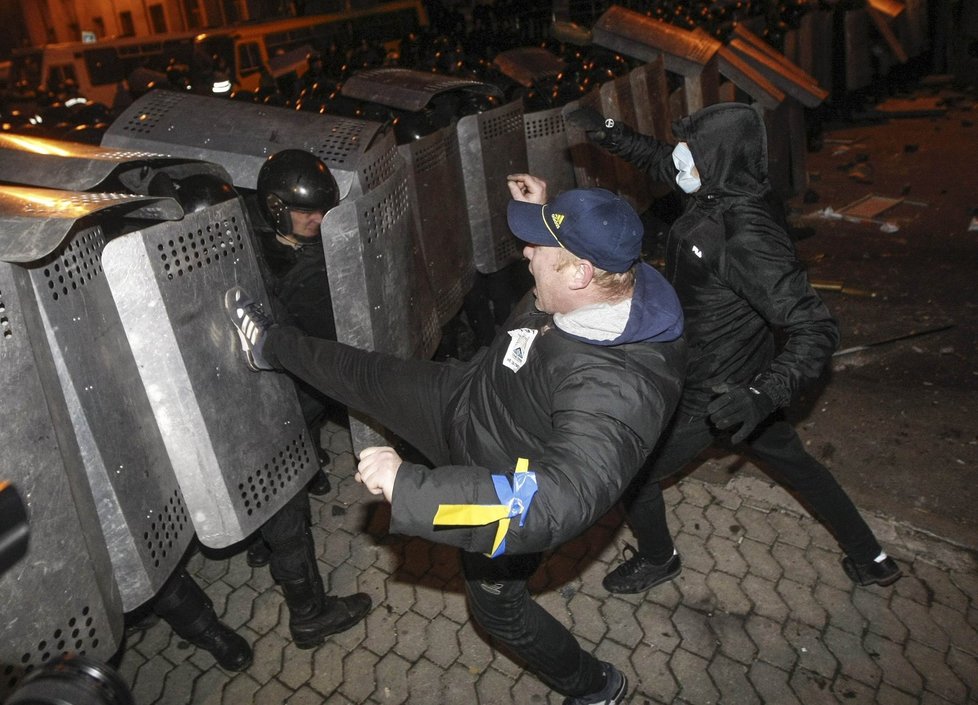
point(762, 613)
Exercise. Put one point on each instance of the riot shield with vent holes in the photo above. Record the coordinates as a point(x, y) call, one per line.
point(547, 151)
point(57, 237)
point(374, 263)
point(492, 145)
point(60, 596)
point(441, 219)
point(73, 166)
point(241, 136)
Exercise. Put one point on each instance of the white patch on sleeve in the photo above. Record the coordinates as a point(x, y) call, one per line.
point(519, 347)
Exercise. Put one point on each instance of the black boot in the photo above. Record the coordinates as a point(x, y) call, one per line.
point(314, 615)
point(258, 553)
point(186, 608)
point(319, 484)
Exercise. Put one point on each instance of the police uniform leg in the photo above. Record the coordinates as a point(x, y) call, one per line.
point(313, 615)
point(187, 609)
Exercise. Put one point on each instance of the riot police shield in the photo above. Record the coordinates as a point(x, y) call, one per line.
point(241, 136)
point(236, 441)
point(56, 241)
point(60, 596)
point(492, 145)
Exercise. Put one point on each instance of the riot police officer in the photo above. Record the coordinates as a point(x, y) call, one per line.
point(295, 189)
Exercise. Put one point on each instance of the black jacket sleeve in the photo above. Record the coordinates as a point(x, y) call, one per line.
point(644, 152)
point(760, 264)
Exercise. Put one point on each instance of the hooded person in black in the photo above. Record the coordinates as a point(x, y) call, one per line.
point(740, 283)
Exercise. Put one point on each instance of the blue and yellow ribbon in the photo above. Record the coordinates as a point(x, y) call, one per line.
point(514, 501)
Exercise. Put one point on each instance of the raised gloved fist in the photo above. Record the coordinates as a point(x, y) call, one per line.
point(743, 406)
point(597, 127)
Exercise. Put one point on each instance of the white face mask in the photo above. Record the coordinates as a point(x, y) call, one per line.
point(688, 177)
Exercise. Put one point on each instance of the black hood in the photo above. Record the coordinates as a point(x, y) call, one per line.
point(729, 147)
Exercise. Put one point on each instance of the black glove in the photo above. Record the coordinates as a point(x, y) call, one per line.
point(743, 406)
point(599, 129)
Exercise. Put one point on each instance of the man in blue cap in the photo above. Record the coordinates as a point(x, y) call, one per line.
point(533, 440)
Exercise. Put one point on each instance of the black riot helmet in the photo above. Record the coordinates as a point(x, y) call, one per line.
point(294, 179)
point(201, 191)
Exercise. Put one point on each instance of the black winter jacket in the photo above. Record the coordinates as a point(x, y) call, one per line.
point(733, 266)
point(585, 414)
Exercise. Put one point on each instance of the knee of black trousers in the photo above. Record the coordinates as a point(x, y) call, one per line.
point(288, 523)
point(184, 605)
point(498, 597)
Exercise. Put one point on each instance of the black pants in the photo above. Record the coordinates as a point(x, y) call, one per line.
point(292, 554)
point(411, 398)
point(777, 444)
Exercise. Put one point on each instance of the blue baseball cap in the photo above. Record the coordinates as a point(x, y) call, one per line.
point(591, 223)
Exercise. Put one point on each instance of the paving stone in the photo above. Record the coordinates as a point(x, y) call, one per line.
point(273, 692)
point(854, 662)
point(911, 588)
point(153, 640)
point(940, 584)
point(623, 627)
point(918, 620)
point(238, 572)
point(726, 498)
point(691, 520)
point(442, 640)
point(938, 677)
point(828, 567)
point(694, 633)
point(755, 523)
point(929, 698)
point(847, 690)
point(772, 646)
point(207, 688)
point(527, 689)
point(727, 556)
point(218, 592)
point(429, 601)
point(729, 597)
point(690, 672)
point(392, 682)
point(240, 691)
point(297, 666)
point(812, 688)
point(965, 667)
point(659, 631)
point(771, 684)
point(362, 667)
point(400, 596)
point(268, 652)
point(475, 653)
point(795, 564)
point(335, 549)
point(731, 634)
point(694, 493)
point(694, 590)
point(211, 570)
point(812, 654)
point(876, 609)
point(329, 669)
point(759, 560)
point(178, 684)
point(897, 670)
point(802, 605)
point(792, 529)
point(888, 695)
point(653, 676)
point(268, 611)
point(586, 615)
point(668, 594)
point(495, 686)
point(960, 633)
point(381, 625)
point(730, 678)
point(239, 607)
point(693, 553)
point(411, 632)
point(842, 614)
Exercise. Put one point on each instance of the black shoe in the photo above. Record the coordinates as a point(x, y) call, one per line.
point(313, 617)
point(319, 484)
point(252, 326)
point(639, 573)
point(259, 554)
point(884, 572)
point(613, 692)
point(230, 650)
